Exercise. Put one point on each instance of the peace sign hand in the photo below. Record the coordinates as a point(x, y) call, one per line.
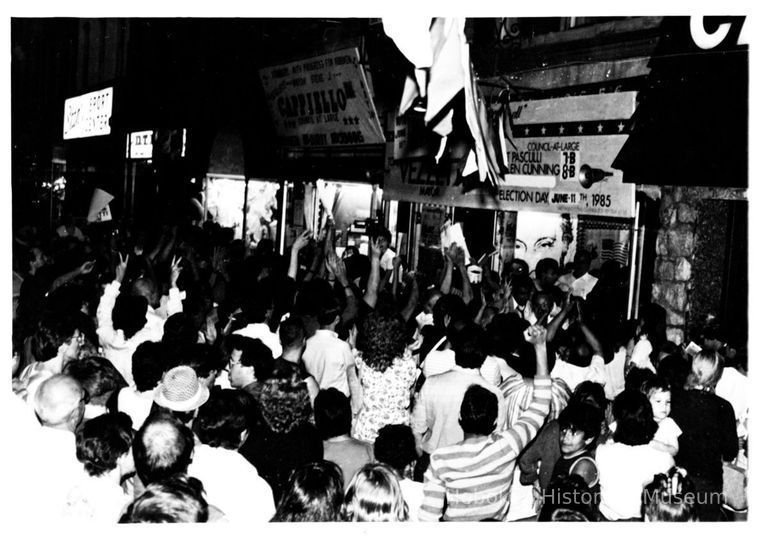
point(175, 270)
point(121, 267)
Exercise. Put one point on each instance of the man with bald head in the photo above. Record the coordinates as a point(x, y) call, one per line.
point(60, 403)
point(49, 459)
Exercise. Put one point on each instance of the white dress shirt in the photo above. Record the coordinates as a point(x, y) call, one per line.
point(261, 331)
point(327, 358)
point(232, 484)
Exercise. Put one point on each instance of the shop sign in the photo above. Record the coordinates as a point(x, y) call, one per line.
point(140, 144)
point(322, 101)
point(550, 142)
point(88, 115)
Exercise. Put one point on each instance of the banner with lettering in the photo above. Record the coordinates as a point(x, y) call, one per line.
point(548, 144)
point(322, 101)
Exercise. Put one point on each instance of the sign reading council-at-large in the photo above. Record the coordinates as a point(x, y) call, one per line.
point(548, 143)
point(322, 101)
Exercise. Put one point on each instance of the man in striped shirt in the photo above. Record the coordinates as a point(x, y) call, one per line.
point(470, 481)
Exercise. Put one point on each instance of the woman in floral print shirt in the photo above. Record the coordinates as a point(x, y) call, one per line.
point(387, 373)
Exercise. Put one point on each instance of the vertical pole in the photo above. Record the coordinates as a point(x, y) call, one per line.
point(133, 186)
point(282, 200)
point(640, 248)
point(245, 212)
point(417, 234)
point(633, 262)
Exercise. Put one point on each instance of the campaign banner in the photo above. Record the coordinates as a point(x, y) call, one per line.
point(322, 101)
point(546, 147)
point(88, 115)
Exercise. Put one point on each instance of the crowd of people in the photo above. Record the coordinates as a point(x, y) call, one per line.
point(180, 375)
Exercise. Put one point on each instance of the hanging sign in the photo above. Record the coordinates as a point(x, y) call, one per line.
point(551, 143)
point(88, 115)
point(322, 101)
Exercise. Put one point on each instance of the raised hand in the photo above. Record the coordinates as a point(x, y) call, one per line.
point(377, 248)
point(175, 270)
point(87, 267)
point(121, 267)
point(536, 335)
point(301, 241)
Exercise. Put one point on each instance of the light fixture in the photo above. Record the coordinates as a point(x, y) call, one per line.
point(588, 175)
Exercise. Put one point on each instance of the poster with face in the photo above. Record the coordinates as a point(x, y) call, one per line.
point(533, 236)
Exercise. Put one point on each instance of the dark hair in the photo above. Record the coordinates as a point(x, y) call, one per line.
point(291, 332)
point(148, 364)
point(655, 385)
point(467, 344)
point(315, 493)
point(395, 446)
point(381, 231)
point(179, 330)
point(479, 410)
point(162, 447)
point(177, 498)
point(504, 335)
point(52, 332)
point(255, 354)
point(582, 417)
point(637, 377)
point(670, 497)
point(544, 265)
point(96, 375)
point(450, 305)
point(568, 492)
point(258, 304)
point(328, 312)
point(201, 357)
point(102, 440)
point(221, 421)
point(382, 338)
point(333, 413)
point(674, 371)
point(129, 314)
point(635, 425)
point(591, 393)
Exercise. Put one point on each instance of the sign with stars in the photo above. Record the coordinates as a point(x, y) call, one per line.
point(548, 143)
point(322, 101)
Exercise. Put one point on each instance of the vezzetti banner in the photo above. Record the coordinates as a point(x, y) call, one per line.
point(322, 101)
point(545, 148)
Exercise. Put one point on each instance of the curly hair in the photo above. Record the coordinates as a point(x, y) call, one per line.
point(223, 419)
point(382, 338)
point(100, 442)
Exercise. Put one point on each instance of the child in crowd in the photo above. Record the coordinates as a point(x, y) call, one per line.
point(629, 462)
point(670, 497)
point(660, 396)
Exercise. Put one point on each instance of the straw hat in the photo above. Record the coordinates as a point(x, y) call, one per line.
point(181, 390)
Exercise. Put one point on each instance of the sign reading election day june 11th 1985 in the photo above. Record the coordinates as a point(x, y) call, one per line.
point(322, 101)
point(551, 140)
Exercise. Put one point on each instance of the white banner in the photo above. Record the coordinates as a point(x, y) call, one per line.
point(88, 115)
point(322, 101)
point(553, 139)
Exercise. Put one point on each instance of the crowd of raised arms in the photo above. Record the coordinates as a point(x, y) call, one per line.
point(177, 374)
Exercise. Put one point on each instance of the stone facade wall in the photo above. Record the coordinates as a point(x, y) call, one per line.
point(674, 255)
point(690, 250)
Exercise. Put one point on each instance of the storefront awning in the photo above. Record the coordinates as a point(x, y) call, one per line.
point(690, 127)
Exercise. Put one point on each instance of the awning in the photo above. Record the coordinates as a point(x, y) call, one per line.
point(690, 127)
